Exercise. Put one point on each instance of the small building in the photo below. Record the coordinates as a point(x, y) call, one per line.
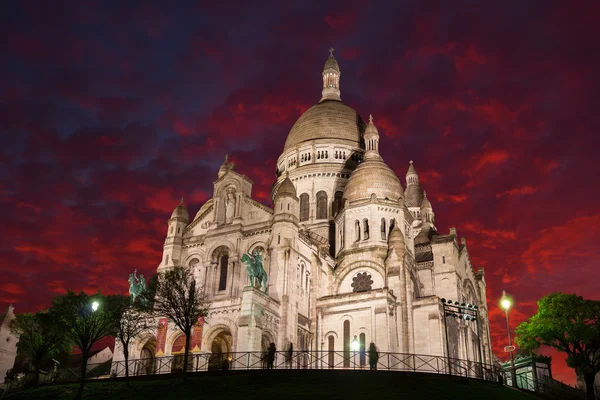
point(530, 370)
point(8, 342)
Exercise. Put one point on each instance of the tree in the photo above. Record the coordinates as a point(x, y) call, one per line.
point(131, 323)
point(39, 338)
point(570, 324)
point(84, 320)
point(176, 296)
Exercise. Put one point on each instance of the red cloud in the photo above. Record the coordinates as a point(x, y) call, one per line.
point(527, 189)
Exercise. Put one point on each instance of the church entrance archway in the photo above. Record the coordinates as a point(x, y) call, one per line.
point(178, 353)
point(220, 348)
point(147, 362)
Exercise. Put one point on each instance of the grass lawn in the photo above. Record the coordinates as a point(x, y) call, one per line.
point(287, 385)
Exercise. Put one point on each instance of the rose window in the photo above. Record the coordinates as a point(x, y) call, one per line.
point(362, 282)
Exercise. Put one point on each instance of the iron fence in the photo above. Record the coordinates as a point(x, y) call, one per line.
point(326, 360)
point(344, 360)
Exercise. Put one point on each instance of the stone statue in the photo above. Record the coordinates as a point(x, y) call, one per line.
point(136, 285)
point(229, 207)
point(256, 273)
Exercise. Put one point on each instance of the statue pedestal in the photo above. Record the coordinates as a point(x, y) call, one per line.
point(259, 316)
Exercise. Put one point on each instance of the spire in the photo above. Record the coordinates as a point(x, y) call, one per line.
point(412, 178)
point(371, 138)
point(331, 79)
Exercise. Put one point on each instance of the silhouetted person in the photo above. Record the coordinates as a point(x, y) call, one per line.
point(271, 355)
point(225, 364)
point(373, 356)
point(290, 356)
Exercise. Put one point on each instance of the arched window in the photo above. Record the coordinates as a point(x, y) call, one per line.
point(224, 264)
point(331, 349)
point(171, 229)
point(321, 205)
point(279, 238)
point(301, 275)
point(363, 353)
point(167, 259)
point(346, 343)
point(392, 223)
point(194, 262)
point(366, 229)
point(304, 207)
point(356, 231)
point(383, 230)
point(337, 203)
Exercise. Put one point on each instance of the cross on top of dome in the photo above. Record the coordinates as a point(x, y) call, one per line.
point(331, 49)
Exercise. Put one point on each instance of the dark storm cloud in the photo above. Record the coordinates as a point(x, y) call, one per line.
point(110, 113)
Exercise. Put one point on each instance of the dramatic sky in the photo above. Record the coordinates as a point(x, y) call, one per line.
point(110, 113)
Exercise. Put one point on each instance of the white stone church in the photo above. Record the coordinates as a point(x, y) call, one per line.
point(349, 253)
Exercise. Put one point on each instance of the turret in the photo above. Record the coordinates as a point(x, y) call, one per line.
point(413, 194)
point(427, 213)
point(286, 202)
point(331, 79)
point(174, 241)
point(371, 137)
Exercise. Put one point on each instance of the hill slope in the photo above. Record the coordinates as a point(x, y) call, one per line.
point(287, 385)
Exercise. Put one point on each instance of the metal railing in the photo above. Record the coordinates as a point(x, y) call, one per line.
point(343, 360)
point(314, 360)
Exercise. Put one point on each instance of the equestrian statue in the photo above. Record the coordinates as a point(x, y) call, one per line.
point(256, 273)
point(136, 285)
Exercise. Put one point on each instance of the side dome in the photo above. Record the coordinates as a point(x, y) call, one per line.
point(329, 119)
point(286, 188)
point(181, 212)
point(373, 176)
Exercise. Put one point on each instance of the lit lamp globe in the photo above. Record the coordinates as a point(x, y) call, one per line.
point(95, 306)
point(354, 345)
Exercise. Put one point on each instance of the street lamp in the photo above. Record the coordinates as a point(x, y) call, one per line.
point(355, 346)
point(95, 305)
point(506, 303)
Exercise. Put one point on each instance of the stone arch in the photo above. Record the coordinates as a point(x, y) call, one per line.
point(200, 255)
point(332, 333)
point(142, 341)
point(267, 337)
point(171, 339)
point(221, 325)
point(220, 344)
point(146, 359)
point(221, 243)
point(349, 268)
point(469, 287)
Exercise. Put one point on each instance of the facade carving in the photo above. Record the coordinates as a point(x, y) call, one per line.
point(349, 251)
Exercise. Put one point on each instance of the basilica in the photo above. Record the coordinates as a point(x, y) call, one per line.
point(350, 252)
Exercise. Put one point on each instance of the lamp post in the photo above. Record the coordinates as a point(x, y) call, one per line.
point(506, 303)
point(354, 346)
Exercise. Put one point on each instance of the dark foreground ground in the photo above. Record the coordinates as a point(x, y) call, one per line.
point(286, 385)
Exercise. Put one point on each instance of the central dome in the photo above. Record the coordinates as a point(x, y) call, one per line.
point(329, 119)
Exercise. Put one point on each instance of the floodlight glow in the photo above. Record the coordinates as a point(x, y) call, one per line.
point(355, 345)
point(95, 306)
point(505, 303)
